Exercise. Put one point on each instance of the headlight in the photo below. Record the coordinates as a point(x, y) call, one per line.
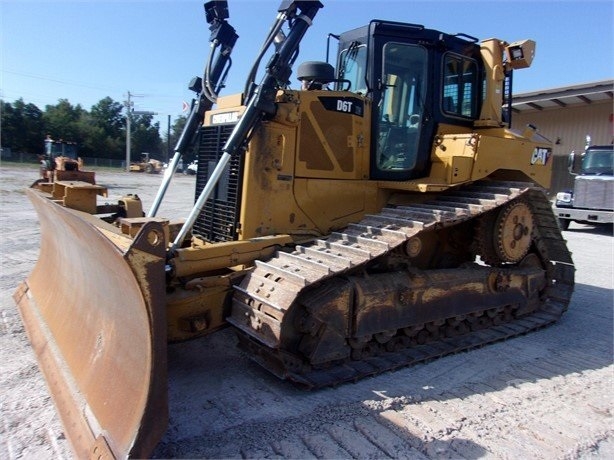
point(565, 197)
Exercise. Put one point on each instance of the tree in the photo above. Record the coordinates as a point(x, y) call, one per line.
point(8, 122)
point(109, 140)
point(22, 127)
point(145, 137)
point(94, 142)
point(99, 133)
point(62, 121)
point(107, 114)
point(176, 130)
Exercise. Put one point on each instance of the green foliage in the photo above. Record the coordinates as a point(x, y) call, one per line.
point(100, 132)
point(63, 121)
point(170, 142)
point(108, 130)
point(107, 114)
point(145, 137)
point(22, 126)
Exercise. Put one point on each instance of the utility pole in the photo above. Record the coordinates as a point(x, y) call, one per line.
point(128, 104)
point(168, 139)
point(129, 112)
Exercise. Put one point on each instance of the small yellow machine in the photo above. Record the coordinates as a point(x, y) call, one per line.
point(386, 210)
point(146, 164)
point(61, 162)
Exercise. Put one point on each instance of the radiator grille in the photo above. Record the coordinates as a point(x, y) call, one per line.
point(594, 192)
point(220, 216)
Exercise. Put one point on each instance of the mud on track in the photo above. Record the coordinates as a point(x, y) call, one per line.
point(544, 395)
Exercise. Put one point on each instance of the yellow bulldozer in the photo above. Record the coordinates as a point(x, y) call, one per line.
point(383, 214)
point(146, 164)
point(61, 162)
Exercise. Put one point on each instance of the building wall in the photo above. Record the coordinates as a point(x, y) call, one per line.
point(567, 127)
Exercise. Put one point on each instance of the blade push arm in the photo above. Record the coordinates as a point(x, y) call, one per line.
point(223, 38)
point(299, 15)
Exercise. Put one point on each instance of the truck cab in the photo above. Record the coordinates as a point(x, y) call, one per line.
point(592, 199)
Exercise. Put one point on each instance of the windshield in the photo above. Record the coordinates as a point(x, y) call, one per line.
point(64, 149)
point(598, 162)
point(70, 151)
point(353, 67)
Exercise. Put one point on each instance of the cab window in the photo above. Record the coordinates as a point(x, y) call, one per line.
point(401, 107)
point(460, 87)
point(353, 67)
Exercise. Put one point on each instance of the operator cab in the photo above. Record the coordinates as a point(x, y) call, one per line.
point(418, 79)
point(64, 149)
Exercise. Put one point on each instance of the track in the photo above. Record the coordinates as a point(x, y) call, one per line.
point(266, 300)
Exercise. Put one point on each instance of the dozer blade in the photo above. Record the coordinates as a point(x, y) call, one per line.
point(94, 313)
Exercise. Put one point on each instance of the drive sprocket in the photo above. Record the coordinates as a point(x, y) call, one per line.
point(505, 236)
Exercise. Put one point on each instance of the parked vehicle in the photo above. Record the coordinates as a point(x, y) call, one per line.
point(146, 164)
point(61, 162)
point(591, 201)
point(192, 168)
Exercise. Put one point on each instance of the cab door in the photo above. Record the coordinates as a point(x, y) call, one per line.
point(402, 122)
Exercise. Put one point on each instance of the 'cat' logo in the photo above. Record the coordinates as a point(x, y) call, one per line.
point(540, 156)
point(224, 118)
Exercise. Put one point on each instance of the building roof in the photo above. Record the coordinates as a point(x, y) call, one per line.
point(575, 95)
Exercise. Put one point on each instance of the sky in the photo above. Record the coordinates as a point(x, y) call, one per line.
point(86, 50)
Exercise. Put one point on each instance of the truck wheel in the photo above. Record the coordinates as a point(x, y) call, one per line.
point(564, 224)
point(149, 169)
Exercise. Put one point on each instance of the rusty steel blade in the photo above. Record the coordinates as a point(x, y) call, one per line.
point(95, 316)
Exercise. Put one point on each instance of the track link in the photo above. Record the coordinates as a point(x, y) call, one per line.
point(268, 293)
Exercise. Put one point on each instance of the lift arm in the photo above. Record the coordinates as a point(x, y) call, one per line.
point(223, 37)
point(299, 15)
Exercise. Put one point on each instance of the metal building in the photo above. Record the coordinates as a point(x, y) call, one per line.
point(566, 116)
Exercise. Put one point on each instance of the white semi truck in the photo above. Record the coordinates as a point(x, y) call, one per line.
point(592, 199)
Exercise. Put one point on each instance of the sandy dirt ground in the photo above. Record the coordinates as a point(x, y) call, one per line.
point(545, 395)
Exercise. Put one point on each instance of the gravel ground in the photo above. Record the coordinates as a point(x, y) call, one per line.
point(545, 395)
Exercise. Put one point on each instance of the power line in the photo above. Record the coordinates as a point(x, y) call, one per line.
point(63, 82)
point(79, 84)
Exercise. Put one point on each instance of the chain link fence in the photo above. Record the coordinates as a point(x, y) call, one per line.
point(8, 156)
